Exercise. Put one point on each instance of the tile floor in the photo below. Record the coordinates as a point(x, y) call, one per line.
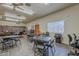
point(26, 49)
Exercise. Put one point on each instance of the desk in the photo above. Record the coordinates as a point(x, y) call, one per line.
point(43, 39)
point(11, 36)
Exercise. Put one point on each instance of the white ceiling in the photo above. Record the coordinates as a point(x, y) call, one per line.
point(39, 9)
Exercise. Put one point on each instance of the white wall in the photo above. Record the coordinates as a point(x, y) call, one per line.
point(69, 15)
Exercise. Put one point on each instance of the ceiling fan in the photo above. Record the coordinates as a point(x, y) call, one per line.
point(17, 5)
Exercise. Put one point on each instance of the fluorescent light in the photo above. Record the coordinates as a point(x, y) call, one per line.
point(14, 16)
point(10, 19)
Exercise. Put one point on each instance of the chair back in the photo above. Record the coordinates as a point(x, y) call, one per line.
point(75, 37)
point(70, 38)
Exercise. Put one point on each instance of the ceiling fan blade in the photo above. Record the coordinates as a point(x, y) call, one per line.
point(20, 8)
point(28, 4)
point(17, 4)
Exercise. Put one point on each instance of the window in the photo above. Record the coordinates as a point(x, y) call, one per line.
point(56, 27)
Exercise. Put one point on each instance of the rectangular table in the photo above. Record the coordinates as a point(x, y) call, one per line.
point(41, 38)
point(11, 36)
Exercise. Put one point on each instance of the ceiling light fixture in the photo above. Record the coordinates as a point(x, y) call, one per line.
point(11, 19)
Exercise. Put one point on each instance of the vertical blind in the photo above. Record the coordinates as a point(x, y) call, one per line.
point(56, 27)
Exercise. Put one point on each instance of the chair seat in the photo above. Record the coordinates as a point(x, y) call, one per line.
point(73, 45)
point(39, 46)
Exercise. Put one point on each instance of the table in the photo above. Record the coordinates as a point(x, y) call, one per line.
point(9, 40)
point(11, 36)
point(42, 38)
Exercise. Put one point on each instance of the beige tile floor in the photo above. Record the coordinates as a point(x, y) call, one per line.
point(25, 49)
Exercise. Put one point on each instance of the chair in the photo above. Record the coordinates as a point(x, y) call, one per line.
point(47, 46)
point(38, 47)
point(70, 39)
point(5, 44)
point(16, 40)
point(75, 37)
point(76, 40)
point(73, 45)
